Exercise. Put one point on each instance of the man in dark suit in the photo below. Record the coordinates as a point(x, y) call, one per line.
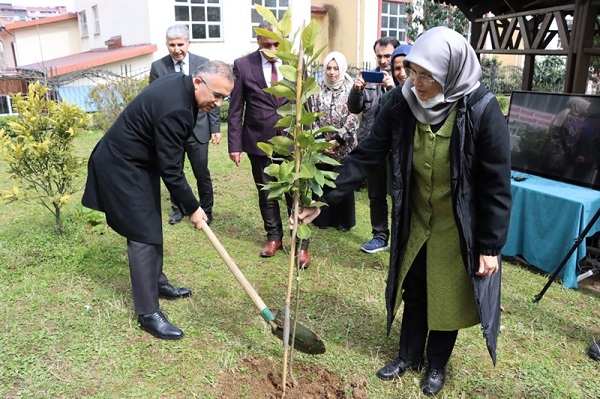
point(143, 146)
point(208, 124)
point(252, 118)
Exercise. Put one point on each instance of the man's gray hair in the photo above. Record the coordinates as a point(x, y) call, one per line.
point(177, 31)
point(214, 67)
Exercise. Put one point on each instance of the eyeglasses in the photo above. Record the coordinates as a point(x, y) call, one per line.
point(217, 96)
point(414, 75)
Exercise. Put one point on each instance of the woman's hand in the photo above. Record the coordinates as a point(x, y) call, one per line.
point(306, 215)
point(488, 265)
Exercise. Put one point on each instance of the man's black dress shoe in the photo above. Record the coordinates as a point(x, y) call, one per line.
point(209, 218)
point(167, 291)
point(397, 368)
point(157, 324)
point(434, 381)
point(175, 217)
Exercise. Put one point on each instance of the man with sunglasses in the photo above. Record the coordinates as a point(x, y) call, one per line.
point(208, 124)
point(144, 146)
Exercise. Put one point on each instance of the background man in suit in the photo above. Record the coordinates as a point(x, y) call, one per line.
point(143, 146)
point(252, 118)
point(208, 124)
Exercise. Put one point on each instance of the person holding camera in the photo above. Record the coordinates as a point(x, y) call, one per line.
point(363, 99)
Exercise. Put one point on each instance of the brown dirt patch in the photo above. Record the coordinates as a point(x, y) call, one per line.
point(253, 377)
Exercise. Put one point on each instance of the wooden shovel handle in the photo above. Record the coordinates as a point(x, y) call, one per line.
point(264, 310)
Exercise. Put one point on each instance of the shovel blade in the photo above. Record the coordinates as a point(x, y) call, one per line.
point(305, 340)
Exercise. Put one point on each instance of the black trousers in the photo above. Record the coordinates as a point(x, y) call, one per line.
point(377, 183)
point(414, 333)
point(198, 155)
point(145, 271)
point(269, 208)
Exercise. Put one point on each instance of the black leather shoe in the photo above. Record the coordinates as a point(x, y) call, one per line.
point(594, 351)
point(175, 217)
point(397, 368)
point(434, 381)
point(167, 291)
point(157, 324)
point(209, 218)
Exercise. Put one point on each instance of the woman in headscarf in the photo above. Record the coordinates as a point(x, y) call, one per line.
point(332, 103)
point(450, 156)
point(564, 133)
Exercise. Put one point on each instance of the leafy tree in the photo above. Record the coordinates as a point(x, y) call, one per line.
point(549, 74)
point(39, 150)
point(295, 156)
point(435, 14)
point(110, 99)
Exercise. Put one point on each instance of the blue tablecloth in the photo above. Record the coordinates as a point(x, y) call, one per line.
point(546, 217)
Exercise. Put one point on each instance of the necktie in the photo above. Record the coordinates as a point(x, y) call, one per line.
point(180, 67)
point(274, 77)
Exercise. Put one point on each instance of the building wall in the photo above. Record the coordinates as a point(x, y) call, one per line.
point(146, 21)
point(44, 42)
point(352, 28)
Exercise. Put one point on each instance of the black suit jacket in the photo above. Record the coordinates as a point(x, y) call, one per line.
point(144, 145)
point(206, 123)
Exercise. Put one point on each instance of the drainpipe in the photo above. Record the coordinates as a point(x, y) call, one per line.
point(358, 42)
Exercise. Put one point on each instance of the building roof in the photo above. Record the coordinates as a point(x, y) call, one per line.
point(500, 7)
point(41, 21)
point(89, 59)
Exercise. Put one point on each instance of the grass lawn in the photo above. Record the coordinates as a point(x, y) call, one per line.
point(67, 327)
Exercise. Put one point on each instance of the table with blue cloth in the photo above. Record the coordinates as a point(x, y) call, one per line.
point(546, 218)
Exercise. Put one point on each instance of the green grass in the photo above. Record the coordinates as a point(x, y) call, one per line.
point(67, 328)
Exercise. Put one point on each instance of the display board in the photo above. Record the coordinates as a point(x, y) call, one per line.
point(556, 136)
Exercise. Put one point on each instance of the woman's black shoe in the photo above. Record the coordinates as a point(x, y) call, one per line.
point(434, 381)
point(397, 368)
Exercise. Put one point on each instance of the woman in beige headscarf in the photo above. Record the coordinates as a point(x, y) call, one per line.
point(450, 155)
point(332, 103)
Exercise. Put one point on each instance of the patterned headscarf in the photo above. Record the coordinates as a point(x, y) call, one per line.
point(342, 66)
point(452, 62)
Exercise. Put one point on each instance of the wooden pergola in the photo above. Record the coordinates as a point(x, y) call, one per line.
point(527, 27)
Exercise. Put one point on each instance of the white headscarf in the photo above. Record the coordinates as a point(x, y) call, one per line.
point(452, 62)
point(342, 66)
point(576, 106)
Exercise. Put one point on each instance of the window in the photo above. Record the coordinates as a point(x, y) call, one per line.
point(96, 20)
point(393, 20)
point(277, 7)
point(203, 18)
point(83, 24)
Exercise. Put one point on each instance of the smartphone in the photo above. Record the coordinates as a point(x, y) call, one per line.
point(372, 76)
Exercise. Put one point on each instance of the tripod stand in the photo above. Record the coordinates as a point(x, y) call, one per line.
point(577, 242)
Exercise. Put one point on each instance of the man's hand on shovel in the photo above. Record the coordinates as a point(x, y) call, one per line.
point(197, 217)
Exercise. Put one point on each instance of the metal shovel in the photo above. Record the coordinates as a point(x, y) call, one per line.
point(304, 339)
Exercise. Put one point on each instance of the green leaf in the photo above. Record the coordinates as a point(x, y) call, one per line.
point(267, 149)
point(281, 91)
point(281, 141)
point(286, 121)
point(266, 14)
point(309, 36)
point(285, 25)
point(287, 109)
point(303, 232)
point(288, 72)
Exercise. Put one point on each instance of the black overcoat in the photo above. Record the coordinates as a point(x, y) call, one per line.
point(480, 184)
point(144, 145)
